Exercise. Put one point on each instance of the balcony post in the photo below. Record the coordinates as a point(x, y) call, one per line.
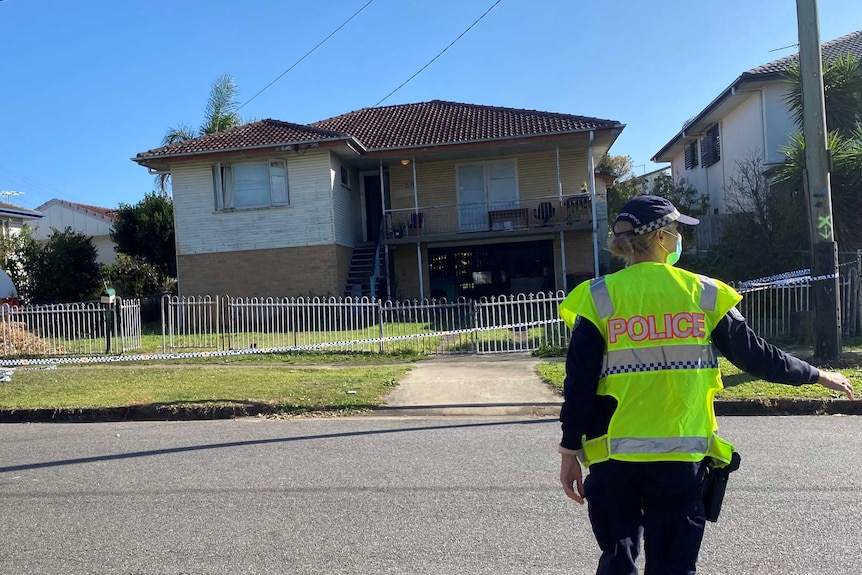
point(418, 244)
point(592, 168)
point(562, 233)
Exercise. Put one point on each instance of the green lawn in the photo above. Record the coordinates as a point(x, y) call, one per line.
point(738, 385)
point(281, 388)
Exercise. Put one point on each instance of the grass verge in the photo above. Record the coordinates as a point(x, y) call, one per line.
point(278, 388)
point(738, 384)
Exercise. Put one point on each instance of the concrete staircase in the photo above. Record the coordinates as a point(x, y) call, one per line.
point(361, 270)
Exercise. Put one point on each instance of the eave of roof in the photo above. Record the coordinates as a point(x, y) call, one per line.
point(24, 213)
point(260, 135)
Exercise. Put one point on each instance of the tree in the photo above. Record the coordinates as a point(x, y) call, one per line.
point(619, 166)
point(133, 277)
point(62, 270)
point(764, 236)
point(842, 83)
point(15, 251)
point(220, 115)
point(146, 231)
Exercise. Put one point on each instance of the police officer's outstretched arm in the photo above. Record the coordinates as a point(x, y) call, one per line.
point(754, 355)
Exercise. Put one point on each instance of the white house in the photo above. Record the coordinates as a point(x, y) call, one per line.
point(91, 221)
point(748, 119)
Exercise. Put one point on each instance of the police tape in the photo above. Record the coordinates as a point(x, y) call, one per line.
point(322, 346)
point(762, 284)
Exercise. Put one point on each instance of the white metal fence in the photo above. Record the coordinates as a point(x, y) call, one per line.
point(495, 325)
point(490, 325)
point(88, 328)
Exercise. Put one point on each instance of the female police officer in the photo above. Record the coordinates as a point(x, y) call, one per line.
point(641, 374)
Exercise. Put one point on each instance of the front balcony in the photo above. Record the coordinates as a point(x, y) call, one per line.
point(522, 217)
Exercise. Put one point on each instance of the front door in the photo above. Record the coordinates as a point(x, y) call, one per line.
point(373, 206)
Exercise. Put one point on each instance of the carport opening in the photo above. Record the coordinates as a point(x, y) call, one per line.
point(491, 269)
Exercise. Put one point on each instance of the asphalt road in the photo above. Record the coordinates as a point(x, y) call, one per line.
point(389, 495)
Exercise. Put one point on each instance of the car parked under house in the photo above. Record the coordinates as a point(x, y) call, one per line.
point(437, 199)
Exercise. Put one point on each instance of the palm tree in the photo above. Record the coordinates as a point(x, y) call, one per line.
point(842, 84)
point(220, 115)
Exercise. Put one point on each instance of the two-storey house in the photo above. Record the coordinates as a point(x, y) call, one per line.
point(749, 119)
point(448, 199)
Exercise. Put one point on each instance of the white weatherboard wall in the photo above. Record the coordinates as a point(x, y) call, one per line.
point(346, 204)
point(306, 221)
point(60, 216)
point(742, 139)
point(779, 122)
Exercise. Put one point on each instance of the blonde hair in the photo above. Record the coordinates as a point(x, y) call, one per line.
point(625, 244)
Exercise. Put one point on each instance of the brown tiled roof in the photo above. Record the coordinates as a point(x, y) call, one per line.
point(100, 211)
point(264, 133)
point(439, 122)
point(107, 212)
point(849, 44)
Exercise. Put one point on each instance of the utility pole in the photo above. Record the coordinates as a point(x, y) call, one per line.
point(815, 179)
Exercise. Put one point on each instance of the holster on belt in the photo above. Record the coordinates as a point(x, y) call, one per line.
point(715, 484)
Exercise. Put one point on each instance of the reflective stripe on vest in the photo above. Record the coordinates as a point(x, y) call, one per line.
point(708, 294)
point(601, 448)
point(601, 298)
point(659, 358)
point(659, 445)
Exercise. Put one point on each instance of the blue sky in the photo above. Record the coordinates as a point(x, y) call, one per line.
point(86, 85)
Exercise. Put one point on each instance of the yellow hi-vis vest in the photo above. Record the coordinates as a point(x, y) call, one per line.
point(659, 364)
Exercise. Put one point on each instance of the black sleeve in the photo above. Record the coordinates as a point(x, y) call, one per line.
point(754, 355)
point(581, 408)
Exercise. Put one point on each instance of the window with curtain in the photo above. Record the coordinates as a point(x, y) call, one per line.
point(250, 185)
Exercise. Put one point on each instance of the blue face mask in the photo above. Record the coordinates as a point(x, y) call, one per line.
point(672, 257)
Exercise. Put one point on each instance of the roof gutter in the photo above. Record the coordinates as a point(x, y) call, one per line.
point(282, 146)
point(31, 215)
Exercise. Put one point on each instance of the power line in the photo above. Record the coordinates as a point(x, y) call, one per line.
point(438, 55)
point(307, 54)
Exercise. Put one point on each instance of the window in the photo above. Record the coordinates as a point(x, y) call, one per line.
point(250, 185)
point(484, 187)
point(691, 155)
point(345, 177)
point(710, 147)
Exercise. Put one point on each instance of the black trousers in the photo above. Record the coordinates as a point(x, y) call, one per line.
point(660, 501)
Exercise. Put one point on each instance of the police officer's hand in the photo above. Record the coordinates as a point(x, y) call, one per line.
point(571, 477)
point(836, 381)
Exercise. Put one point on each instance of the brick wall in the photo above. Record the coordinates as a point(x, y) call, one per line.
point(282, 272)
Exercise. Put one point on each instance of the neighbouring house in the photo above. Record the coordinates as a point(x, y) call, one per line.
point(13, 218)
point(748, 119)
point(407, 201)
point(92, 221)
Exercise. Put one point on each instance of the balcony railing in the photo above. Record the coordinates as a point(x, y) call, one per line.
point(531, 215)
